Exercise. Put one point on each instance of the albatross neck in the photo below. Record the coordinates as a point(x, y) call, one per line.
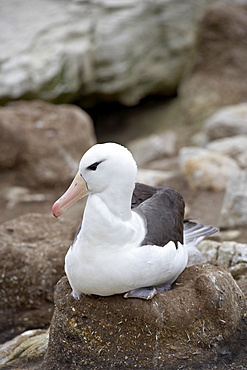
point(118, 202)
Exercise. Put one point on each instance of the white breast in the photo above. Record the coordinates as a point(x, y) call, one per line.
point(107, 257)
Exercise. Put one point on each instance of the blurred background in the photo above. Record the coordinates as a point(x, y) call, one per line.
point(149, 75)
point(167, 79)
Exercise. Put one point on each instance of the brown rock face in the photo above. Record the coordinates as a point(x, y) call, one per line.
point(32, 249)
point(43, 142)
point(195, 324)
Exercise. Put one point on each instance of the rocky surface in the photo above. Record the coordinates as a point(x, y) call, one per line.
point(32, 248)
point(43, 142)
point(206, 169)
point(231, 254)
point(28, 347)
point(153, 147)
point(217, 75)
point(33, 233)
point(155, 177)
point(150, 153)
point(226, 122)
point(218, 156)
point(234, 208)
point(104, 49)
point(113, 332)
point(235, 147)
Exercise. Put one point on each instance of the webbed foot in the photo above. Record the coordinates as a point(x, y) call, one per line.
point(76, 295)
point(142, 293)
point(163, 287)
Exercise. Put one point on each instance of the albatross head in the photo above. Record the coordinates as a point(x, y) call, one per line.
point(105, 169)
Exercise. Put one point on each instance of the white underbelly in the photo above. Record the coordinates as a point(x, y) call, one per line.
point(121, 270)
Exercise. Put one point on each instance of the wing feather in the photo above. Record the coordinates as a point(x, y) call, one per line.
point(163, 212)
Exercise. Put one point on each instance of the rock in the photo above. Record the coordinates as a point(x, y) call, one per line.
point(199, 323)
point(32, 249)
point(239, 271)
point(199, 139)
point(153, 147)
point(227, 235)
point(165, 164)
point(209, 249)
point(205, 169)
point(159, 172)
point(242, 283)
point(232, 255)
point(28, 346)
point(234, 208)
point(48, 141)
point(104, 49)
point(235, 147)
point(226, 252)
point(227, 121)
point(19, 194)
point(154, 177)
point(217, 73)
point(240, 255)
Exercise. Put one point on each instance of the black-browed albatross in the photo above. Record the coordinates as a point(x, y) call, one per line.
point(133, 238)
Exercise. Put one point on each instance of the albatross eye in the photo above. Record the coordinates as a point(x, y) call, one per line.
point(93, 167)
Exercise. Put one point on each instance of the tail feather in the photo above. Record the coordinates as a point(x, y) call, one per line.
point(193, 234)
point(194, 231)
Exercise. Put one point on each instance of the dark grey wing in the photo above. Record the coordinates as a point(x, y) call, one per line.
point(163, 213)
point(143, 192)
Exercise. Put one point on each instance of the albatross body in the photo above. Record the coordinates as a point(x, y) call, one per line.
point(133, 238)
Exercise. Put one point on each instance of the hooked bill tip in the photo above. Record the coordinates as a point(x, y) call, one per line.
point(55, 209)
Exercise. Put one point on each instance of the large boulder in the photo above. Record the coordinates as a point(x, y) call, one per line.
point(234, 208)
point(226, 122)
point(199, 323)
point(232, 255)
point(43, 142)
point(117, 50)
point(32, 249)
point(235, 147)
point(206, 169)
point(217, 74)
point(153, 147)
point(24, 351)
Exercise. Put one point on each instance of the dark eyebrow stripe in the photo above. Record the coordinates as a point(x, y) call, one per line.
point(94, 166)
